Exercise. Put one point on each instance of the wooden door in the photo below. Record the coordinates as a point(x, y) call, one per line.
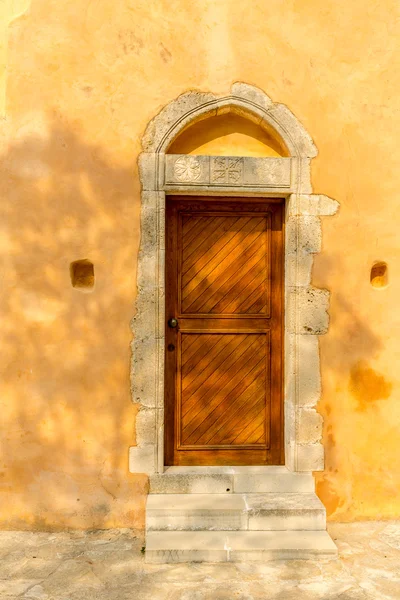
point(223, 379)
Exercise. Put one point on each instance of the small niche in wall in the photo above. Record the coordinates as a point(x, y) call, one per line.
point(82, 275)
point(379, 275)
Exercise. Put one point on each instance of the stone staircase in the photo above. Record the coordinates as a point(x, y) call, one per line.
point(221, 514)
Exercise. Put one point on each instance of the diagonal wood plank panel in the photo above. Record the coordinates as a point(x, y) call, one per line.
point(235, 382)
point(223, 387)
point(224, 263)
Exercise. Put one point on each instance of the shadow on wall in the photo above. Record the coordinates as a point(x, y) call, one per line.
point(66, 411)
point(355, 423)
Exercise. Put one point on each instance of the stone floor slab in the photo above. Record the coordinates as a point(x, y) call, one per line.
point(109, 565)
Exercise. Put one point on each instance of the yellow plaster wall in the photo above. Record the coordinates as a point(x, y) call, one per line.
point(228, 135)
point(83, 80)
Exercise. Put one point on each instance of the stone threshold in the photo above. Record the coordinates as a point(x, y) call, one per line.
point(222, 470)
point(230, 480)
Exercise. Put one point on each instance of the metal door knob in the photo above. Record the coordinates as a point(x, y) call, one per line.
point(173, 323)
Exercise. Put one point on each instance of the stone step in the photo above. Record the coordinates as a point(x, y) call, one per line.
point(229, 480)
point(257, 512)
point(237, 546)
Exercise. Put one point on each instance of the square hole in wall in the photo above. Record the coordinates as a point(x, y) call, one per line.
point(379, 275)
point(82, 274)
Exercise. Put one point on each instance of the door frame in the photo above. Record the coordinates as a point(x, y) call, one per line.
point(272, 212)
point(305, 307)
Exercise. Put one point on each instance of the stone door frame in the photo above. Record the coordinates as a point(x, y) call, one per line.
point(306, 316)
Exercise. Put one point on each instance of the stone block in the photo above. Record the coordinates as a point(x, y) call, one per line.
point(282, 512)
point(186, 169)
point(252, 94)
point(260, 546)
point(209, 172)
point(142, 460)
point(308, 311)
point(301, 138)
point(237, 546)
point(309, 377)
point(303, 235)
point(309, 426)
point(158, 128)
point(152, 199)
point(310, 457)
point(144, 372)
point(299, 205)
point(240, 107)
point(147, 163)
point(298, 269)
point(328, 206)
point(146, 427)
point(312, 205)
point(302, 169)
point(144, 323)
point(147, 270)
point(195, 512)
point(185, 546)
point(267, 172)
point(191, 483)
point(149, 230)
point(290, 450)
point(271, 480)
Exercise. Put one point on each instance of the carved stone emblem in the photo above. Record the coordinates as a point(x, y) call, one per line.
point(187, 168)
point(227, 170)
point(274, 171)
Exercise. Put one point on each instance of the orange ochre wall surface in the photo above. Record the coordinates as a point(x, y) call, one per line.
point(78, 84)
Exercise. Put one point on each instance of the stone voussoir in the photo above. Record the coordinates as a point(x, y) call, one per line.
point(159, 127)
point(251, 93)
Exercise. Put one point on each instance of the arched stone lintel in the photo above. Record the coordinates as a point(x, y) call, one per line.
point(244, 100)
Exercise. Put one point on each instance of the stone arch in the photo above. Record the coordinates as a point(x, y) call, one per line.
point(306, 307)
point(245, 100)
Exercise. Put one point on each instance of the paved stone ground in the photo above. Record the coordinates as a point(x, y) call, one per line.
point(109, 565)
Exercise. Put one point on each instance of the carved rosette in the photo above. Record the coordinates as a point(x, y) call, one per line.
point(187, 168)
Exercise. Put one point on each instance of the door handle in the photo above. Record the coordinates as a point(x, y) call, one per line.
point(173, 323)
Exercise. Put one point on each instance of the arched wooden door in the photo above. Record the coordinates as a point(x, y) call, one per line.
point(224, 323)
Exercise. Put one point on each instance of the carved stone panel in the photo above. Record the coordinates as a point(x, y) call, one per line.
point(227, 171)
